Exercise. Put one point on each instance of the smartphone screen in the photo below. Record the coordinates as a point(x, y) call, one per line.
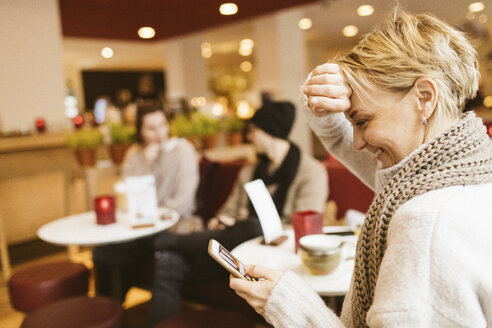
point(229, 258)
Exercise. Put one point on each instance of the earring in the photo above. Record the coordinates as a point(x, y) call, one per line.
point(424, 120)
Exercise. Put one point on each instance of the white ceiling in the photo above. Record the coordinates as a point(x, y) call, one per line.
point(329, 18)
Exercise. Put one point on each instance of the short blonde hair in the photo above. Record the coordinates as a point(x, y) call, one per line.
point(404, 47)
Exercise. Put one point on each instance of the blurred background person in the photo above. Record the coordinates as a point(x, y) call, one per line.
point(174, 164)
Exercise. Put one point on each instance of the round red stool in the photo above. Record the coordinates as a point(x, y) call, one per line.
point(77, 312)
point(31, 288)
point(205, 319)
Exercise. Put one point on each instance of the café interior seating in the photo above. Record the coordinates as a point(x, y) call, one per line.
point(77, 312)
point(38, 285)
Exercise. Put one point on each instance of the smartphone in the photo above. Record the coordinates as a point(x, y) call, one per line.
point(227, 260)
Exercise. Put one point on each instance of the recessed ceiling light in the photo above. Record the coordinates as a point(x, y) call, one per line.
point(246, 66)
point(246, 43)
point(305, 23)
point(482, 19)
point(146, 32)
point(206, 52)
point(107, 52)
point(476, 7)
point(365, 10)
point(350, 31)
point(228, 8)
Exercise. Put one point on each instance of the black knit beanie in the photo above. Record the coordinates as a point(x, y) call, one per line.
point(275, 118)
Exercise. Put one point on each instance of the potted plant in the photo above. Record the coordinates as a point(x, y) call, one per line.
point(234, 127)
point(84, 143)
point(121, 137)
point(206, 128)
point(181, 127)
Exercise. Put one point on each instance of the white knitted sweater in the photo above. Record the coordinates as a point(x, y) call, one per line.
point(437, 268)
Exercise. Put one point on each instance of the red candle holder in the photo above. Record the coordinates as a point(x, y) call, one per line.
point(105, 209)
point(78, 121)
point(306, 223)
point(40, 125)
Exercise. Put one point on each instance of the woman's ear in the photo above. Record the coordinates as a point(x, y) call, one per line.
point(427, 93)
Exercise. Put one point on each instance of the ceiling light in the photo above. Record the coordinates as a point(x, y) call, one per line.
point(476, 7)
point(365, 10)
point(246, 43)
point(350, 31)
point(207, 52)
point(227, 9)
point(482, 19)
point(246, 66)
point(107, 52)
point(146, 32)
point(305, 24)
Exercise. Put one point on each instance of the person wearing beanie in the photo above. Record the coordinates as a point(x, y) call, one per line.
point(296, 181)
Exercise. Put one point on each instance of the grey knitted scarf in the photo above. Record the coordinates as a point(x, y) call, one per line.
point(462, 155)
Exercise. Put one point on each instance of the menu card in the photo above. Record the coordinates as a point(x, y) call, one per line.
point(265, 209)
point(141, 200)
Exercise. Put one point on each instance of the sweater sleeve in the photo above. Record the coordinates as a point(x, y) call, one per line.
point(312, 191)
point(293, 303)
point(187, 177)
point(336, 134)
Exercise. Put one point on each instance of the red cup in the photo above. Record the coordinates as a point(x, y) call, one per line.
point(40, 125)
point(105, 209)
point(306, 223)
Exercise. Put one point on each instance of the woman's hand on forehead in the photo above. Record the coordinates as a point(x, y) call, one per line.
point(327, 90)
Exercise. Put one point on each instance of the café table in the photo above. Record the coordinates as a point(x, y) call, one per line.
point(82, 230)
point(284, 258)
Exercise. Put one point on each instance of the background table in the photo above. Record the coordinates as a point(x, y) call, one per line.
point(82, 230)
point(284, 258)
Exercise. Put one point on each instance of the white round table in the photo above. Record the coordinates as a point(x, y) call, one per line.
point(283, 258)
point(82, 230)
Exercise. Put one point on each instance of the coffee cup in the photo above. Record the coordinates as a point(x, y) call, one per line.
point(321, 254)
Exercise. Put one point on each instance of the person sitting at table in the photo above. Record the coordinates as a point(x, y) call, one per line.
point(295, 180)
point(391, 110)
point(174, 163)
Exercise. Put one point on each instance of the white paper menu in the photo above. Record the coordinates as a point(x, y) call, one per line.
point(265, 209)
point(141, 200)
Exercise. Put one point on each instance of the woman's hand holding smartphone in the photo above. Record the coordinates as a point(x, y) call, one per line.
point(227, 260)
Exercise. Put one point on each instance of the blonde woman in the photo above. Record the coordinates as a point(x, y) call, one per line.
point(391, 110)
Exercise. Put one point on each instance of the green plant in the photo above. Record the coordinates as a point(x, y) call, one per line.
point(84, 138)
point(203, 125)
point(234, 124)
point(121, 134)
point(180, 127)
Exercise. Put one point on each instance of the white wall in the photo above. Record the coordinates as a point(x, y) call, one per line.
point(31, 68)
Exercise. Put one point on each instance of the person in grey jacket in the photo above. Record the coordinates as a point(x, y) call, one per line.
point(174, 164)
point(391, 110)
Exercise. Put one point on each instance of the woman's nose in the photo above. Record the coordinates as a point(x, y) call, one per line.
point(359, 142)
